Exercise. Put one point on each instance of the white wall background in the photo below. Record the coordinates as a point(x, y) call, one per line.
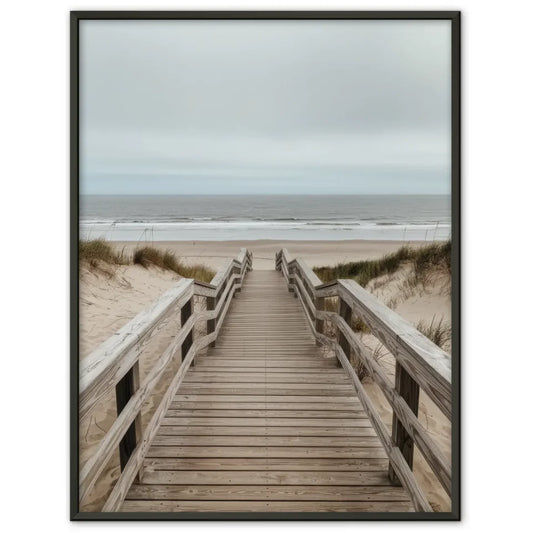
point(497, 294)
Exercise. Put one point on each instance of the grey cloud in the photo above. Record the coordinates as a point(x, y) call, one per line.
point(262, 100)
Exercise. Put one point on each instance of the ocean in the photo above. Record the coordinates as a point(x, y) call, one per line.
point(287, 217)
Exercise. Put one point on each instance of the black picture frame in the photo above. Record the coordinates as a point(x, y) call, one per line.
point(455, 17)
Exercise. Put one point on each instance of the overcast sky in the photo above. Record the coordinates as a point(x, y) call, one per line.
point(189, 107)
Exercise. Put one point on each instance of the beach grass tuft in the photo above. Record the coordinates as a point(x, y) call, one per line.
point(97, 253)
point(98, 250)
point(438, 332)
point(423, 259)
point(149, 256)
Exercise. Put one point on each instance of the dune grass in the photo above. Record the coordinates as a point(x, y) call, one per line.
point(149, 256)
point(423, 259)
point(438, 332)
point(98, 250)
point(98, 253)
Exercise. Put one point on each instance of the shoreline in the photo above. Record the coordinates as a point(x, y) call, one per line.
point(316, 253)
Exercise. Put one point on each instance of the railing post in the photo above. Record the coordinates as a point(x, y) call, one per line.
point(319, 323)
point(292, 277)
point(124, 390)
point(211, 303)
point(345, 311)
point(409, 390)
point(238, 281)
point(186, 312)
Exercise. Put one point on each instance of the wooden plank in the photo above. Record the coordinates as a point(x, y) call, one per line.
point(264, 386)
point(307, 274)
point(171, 506)
point(236, 492)
point(201, 440)
point(244, 452)
point(271, 398)
point(269, 431)
point(277, 409)
point(282, 477)
point(200, 365)
point(262, 464)
point(251, 422)
point(243, 390)
point(254, 377)
point(265, 363)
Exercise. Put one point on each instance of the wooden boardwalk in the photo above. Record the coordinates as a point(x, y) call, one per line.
point(265, 422)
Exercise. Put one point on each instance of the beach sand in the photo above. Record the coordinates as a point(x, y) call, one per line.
point(108, 302)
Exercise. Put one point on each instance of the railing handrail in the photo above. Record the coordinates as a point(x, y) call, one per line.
point(420, 363)
point(114, 360)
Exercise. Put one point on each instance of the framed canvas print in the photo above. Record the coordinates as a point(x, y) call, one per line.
point(265, 265)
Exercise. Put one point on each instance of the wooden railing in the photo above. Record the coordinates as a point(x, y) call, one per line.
point(114, 368)
point(420, 364)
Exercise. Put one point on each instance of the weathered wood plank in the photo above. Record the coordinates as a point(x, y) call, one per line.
point(262, 422)
point(245, 452)
point(267, 409)
point(266, 386)
point(272, 398)
point(308, 430)
point(282, 477)
point(243, 390)
point(261, 378)
point(236, 492)
point(202, 440)
point(268, 464)
point(171, 506)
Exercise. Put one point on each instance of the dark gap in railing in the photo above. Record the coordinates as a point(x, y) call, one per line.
point(125, 389)
point(409, 389)
point(186, 312)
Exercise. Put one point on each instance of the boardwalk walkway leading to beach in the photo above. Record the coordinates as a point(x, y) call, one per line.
point(263, 422)
point(266, 412)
